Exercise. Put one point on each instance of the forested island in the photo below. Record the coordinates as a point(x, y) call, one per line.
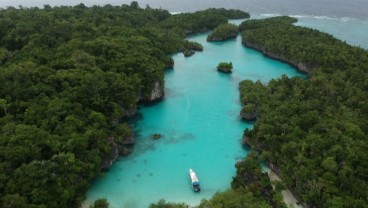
point(191, 47)
point(311, 132)
point(223, 32)
point(225, 67)
point(69, 78)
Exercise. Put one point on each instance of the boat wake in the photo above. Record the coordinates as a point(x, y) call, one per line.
point(267, 15)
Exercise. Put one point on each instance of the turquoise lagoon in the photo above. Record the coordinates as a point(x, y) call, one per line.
point(201, 128)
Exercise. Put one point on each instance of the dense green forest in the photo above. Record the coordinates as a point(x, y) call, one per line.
point(223, 32)
point(68, 75)
point(312, 132)
point(225, 67)
point(202, 21)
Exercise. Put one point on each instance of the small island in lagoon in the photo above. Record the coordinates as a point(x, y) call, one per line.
point(223, 32)
point(225, 67)
point(156, 136)
point(188, 53)
point(190, 47)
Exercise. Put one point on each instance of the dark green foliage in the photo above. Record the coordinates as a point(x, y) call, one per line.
point(163, 204)
point(313, 132)
point(239, 198)
point(228, 13)
point(201, 21)
point(190, 45)
point(100, 203)
point(188, 53)
point(223, 32)
point(278, 38)
point(235, 199)
point(251, 178)
point(275, 21)
point(251, 95)
point(225, 67)
point(67, 76)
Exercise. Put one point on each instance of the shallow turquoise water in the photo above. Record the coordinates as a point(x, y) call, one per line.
point(201, 128)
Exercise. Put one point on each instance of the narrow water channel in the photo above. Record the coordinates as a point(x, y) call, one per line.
point(201, 128)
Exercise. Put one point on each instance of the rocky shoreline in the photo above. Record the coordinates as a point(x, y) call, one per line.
point(248, 116)
point(117, 149)
point(224, 70)
point(301, 67)
point(275, 174)
point(214, 38)
point(156, 94)
point(110, 159)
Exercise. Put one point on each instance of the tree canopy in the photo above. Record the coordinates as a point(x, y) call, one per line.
point(223, 32)
point(312, 132)
point(68, 75)
point(225, 67)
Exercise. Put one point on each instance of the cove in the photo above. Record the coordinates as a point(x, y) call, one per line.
point(201, 127)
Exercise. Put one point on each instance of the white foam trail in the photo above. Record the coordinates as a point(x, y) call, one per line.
point(173, 13)
point(270, 15)
point(343, 19)
point(300, 16)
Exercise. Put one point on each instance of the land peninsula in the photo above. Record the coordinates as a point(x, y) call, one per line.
point(312, 132)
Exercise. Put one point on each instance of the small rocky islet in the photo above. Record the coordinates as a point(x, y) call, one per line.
point(225, 67)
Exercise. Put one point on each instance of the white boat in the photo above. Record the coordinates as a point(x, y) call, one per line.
point(194, 180)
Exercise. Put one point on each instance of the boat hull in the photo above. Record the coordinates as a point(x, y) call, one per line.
point(194, 181)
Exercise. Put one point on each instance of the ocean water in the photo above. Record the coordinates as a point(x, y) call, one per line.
point(201, 128)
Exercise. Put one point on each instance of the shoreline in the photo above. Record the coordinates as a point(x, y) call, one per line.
point(301, 67)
